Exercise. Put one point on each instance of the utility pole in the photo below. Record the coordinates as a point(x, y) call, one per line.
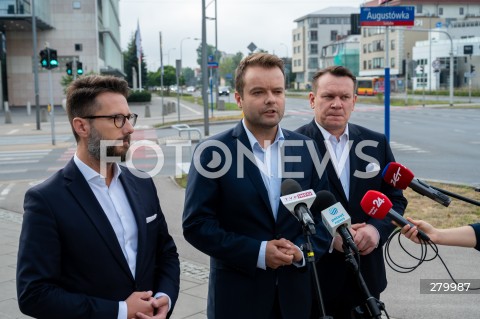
point(35, 65)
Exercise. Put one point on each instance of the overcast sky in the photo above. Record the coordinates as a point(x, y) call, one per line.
point(266, 23)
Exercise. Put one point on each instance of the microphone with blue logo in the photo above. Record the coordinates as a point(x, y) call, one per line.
point(334, 217)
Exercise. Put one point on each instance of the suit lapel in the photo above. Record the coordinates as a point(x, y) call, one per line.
point(332, 174)
point(137, 207)
point(81, 191)
point(355, 136)
point(251, 169)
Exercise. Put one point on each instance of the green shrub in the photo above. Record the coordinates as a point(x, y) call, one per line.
point(140, 96)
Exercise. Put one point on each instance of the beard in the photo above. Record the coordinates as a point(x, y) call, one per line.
point(94, 147)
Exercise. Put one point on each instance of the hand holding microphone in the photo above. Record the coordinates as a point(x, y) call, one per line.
point(377, 205)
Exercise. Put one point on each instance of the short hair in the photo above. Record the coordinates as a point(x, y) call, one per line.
point(335, 70)
point(264, 60)
point(82, 94)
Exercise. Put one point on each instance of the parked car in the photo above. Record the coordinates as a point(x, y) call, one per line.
point(191, 89)
point(224, 90)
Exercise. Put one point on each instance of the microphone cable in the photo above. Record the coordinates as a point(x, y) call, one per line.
point(424, 246)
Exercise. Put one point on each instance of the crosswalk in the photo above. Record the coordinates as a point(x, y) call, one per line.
point(11, 161)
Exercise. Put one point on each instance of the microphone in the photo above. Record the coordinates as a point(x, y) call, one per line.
point(401, 177)
point(298, 202)
point(334, 217)
point(377, 205)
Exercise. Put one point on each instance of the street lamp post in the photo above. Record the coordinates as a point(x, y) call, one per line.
point(286, 60)
point(179, 73)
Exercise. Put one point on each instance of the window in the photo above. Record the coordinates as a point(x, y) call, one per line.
point(419, 8)
point(364, 65)
point(369, 64)
point(460, 11)
point(333, 35)
point(313, 35)
point(78, 47)
point(440, 11)
point(364, 48)
point(313, 49)
point(76, 5)
point(392, 62)
point(392, 45)
point(313, 63)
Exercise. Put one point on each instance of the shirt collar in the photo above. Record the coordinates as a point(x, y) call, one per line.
point(328, 136)
point(90, 173)
point(253, 140)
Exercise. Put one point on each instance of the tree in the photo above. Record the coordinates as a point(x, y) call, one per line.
point(188, 76)
point(130, 60)
point(210, 52)
point(228, 66)
point(169, 77)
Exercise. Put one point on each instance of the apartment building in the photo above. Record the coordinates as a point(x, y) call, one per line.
point(313, 32)
point(432, 18)
point(86, 30)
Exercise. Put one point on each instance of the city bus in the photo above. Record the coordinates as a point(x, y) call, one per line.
point(369, 85)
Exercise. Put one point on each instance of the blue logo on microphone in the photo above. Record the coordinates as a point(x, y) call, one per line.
point(333, 211)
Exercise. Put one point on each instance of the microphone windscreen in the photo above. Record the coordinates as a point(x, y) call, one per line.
point(290, 186)
point(376, 204)
point(323, 200)
point(397, 175)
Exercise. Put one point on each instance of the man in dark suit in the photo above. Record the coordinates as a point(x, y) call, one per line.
point(94, 241)
point(357, 156)
point(232, 206)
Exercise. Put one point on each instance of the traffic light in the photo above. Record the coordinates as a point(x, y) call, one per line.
point(472, 68)
point(44, 58)
point(52, 58)
point(69, 68)
point(48, 58)
point(79, 68)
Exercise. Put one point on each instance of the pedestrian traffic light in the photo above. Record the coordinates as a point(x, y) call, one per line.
point(44, 58)
point(69, 68)
point(79, 68)
point(52, 58)
point(472, 68)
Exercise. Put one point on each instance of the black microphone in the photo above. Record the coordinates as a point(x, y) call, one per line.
point(334, 217)
point(298, 202)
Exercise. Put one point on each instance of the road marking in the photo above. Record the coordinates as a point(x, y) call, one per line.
point(12, 171)
point(13, 131)
point(7, 189)
point(190, 109)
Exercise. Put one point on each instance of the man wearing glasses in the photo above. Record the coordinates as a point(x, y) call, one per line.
point(93, 245)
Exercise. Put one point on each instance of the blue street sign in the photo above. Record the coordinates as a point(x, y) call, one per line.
point(438, 25)
point(212, 65)
point(387, 16)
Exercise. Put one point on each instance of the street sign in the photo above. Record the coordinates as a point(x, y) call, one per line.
point(436, 65)
point(438, 25)
point(252, 47)
point(387, 16)
point(212, 65)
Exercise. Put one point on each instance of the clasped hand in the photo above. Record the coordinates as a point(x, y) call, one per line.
point(142, 305)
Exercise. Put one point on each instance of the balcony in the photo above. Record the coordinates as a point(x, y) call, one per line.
point(16, 15)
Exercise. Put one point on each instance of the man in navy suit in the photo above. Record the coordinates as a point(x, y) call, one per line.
point(356, 157)
point(232, 206)
point(94, 241)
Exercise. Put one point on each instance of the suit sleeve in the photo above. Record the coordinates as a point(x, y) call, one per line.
point(385, 226)
point(39, 270)
point(201, 223)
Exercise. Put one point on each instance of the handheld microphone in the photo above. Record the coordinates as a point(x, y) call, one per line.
point(377, 205)
point(334, 217)
point(401, 177)
point(298, 202)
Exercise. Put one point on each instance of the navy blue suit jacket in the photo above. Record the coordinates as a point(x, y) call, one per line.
point(228, 216)
point(372, 265)
point(70, 264)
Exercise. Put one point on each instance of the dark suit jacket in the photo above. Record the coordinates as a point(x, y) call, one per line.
point(228, 216)
point(372, 265)
point(70, 264)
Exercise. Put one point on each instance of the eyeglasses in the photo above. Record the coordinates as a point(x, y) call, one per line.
point(118, 119)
